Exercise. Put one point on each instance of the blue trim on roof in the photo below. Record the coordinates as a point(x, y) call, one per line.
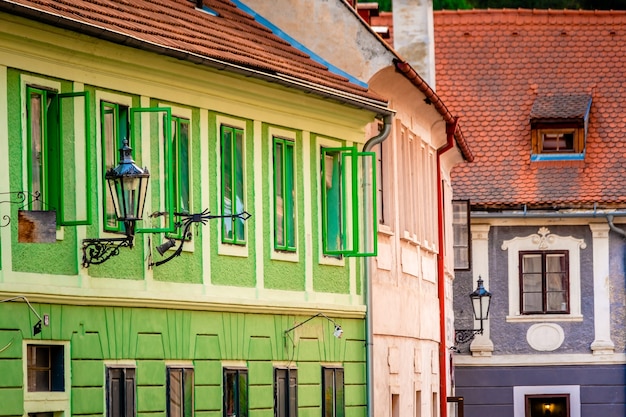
point(278, 32)
point(558, 157)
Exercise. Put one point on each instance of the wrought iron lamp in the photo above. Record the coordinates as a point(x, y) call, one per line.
point(127, 184)
point(37, 326)
point(338, 332)
point(186, 221)
point(481, 301)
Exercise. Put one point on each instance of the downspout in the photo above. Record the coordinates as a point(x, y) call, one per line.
point(443, 391)
point(369, 328)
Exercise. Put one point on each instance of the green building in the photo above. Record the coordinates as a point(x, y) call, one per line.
point(229, 316)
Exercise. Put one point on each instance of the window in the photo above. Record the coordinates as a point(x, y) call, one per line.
point(547, 405)
point(121, 385)
point(180, 389)
point(284, 195)
point(56, 124)
point(559, 126)
point(235, 393)
point(232, 176)
point(180, 161)
point(114, 130)
point(45, 368)
point(333, 402)
point(544, 282)
point(342, 207)
point(285, 393)
point(461, 231)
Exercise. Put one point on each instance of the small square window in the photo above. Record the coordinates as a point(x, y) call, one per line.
point(45, 368)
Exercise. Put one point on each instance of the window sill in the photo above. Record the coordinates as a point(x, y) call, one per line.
point(410, 238)
point(557, 157)
point(386, 230)
point(285, 256)
point(544, 318)
point(233, 250)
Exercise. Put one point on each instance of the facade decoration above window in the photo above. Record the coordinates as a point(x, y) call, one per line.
point(558, 126)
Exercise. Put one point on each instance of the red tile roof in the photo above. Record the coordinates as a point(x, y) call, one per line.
point(491, 67)
point(232, 40)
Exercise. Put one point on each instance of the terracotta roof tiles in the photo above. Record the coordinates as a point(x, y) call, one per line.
point(493, 66)
point(177, 27)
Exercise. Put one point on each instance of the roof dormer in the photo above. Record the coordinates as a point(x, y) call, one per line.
point(558, 125)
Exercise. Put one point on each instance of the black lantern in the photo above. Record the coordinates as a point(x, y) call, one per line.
point(128, 185)
point(481, 301)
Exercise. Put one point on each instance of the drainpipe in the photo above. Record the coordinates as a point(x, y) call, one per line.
point(443, 391)
point(369, 333)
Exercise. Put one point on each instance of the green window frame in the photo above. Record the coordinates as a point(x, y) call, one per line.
point(333, 400)
point(235, 392)
point(343, 204)
point(114, 130)
point(51, 126)
point(180, 161)
point(284, 195)
point(232, 183)
point(180, 392)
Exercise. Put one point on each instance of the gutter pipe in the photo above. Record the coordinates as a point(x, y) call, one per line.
point(554, 215)
point(369, 333)
point(451, 127)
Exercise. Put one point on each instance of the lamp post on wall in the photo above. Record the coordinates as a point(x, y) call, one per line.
point(127, 184)
point(481, 301)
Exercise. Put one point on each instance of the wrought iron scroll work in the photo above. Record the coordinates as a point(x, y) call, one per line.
point(187, 220)
point(97, 251)
point(20, 199)
point(462, 336)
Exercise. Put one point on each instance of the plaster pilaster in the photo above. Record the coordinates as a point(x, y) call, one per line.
point(602, 344)
point(482, 344)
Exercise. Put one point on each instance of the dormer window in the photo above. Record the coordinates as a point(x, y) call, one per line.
point(559, 127)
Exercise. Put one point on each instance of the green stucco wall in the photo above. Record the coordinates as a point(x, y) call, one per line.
point(151, 337)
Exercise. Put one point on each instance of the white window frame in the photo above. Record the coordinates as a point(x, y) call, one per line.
point(544, 240)
point(520, 393)
point(47, 401)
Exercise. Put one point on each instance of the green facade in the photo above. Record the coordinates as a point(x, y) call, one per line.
point(215, 306)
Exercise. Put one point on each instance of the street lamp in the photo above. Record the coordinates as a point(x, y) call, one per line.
point(128, 185)
point(481, 301)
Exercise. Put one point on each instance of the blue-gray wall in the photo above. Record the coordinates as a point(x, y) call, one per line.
point(510, 338)
point(488, 391)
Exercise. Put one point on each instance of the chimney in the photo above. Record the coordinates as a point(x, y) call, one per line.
point(413, 36)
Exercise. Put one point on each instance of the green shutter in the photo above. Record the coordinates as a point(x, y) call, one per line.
point(165, 204)
point(77, 135)
point(341, 228)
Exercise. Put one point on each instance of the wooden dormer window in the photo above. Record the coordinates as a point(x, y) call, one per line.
point(559, 127)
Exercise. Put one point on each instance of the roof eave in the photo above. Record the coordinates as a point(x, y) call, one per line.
point(380, 108)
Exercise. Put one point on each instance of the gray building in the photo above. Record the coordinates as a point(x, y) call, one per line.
point(541, 212)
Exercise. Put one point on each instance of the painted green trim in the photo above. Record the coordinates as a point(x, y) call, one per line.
point(180, 166)
point(37, 136)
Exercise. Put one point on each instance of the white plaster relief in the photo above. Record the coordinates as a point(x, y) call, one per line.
point(545, 337)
